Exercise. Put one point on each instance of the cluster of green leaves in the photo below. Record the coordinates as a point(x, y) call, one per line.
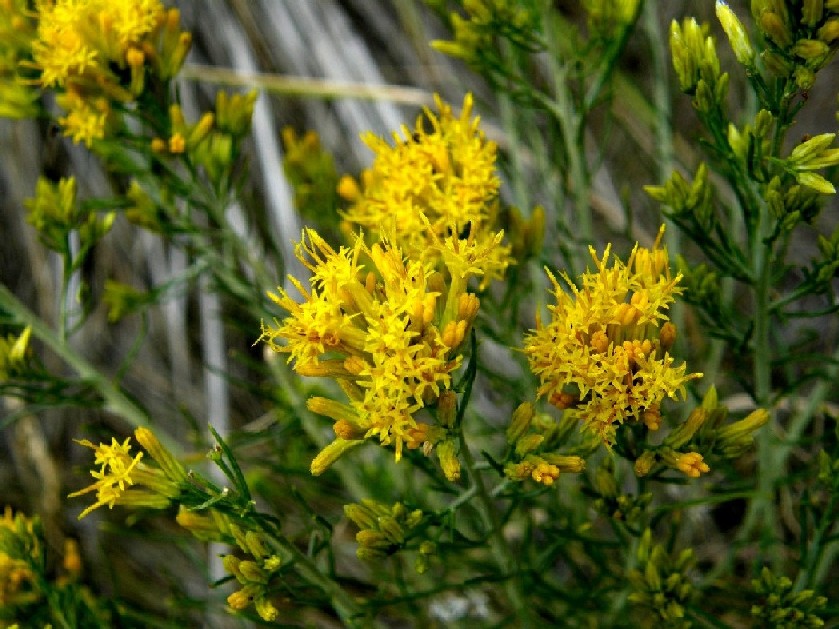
point(604, 548)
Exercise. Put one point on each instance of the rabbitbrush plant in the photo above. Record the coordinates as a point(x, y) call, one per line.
point(481, 392)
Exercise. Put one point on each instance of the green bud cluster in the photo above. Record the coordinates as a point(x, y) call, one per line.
point(703, 435)
point(383, 530)
point(697, 66)
point(606, 18)
point(660, 585)
point(484, 21)
point(254, 573)
point(55, 213)
point(688, 201)
point(311, 171)
point(532, 438)
point(781, 607)
point(801, 36)
point(814, 154)
point(825, 269)
point(604, 489)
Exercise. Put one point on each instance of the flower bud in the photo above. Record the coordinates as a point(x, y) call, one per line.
point(448, 460)
point(266, 609)
point(736, 34)
point(168, 463)
point(332, 453)
point(682, 435)
point(528, 443)
point(520, 422)
point(644, 463)
point(566, 463)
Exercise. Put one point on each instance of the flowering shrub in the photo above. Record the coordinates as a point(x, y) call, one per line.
point(452, 409)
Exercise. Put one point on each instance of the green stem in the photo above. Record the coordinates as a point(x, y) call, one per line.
point(350, 612)
point(761, 510)
point(663, 127)
point(570, 121)
point(116, 401)
point(808, 573)
point(503, 555)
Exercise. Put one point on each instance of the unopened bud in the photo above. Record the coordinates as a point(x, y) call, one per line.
point(348, 189)
point(667, 336)
point(644, 463)
point(566, 463)
point(682, 435)
point(736, 34)
point(448, 460)
point(520, 422)
point(447, 408)
point(332, 453)
point(252, 572)
point(810, 49)
point(266, 609)
point(528, 443)
point(773, 26)
point(829, 32)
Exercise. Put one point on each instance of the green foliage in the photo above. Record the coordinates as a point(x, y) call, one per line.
point(471, 465)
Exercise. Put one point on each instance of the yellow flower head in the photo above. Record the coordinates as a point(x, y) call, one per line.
point(96, 52)
point(436, 182)
point(119, 470)
point(602, 356)
point(79, 37)
point(114, 475)
point(378, 332)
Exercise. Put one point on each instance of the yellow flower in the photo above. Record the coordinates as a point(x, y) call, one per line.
point(76, 37)
point(119, 471)
point(98, 52)
point(692, 464)
point(431, 186)
point(377, 332)
point(86, 118)
point(601, 356)
point(113, 476)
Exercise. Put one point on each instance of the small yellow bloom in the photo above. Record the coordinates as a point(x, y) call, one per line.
point(431, 187)
point(692, 464)
point(119, 471)
point(110, 484)
point(601, 356)
point(377, 332)
point(177, 143)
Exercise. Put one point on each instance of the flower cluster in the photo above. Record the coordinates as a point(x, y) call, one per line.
point(19, 547)
point(119, 472)
point(800, 37)
point(389, 336)
point(214, 140)
point(383, 529)
point(55, 212)
point(484, 21)
point(604, 356)
point(98, 53)
point(533, 439)
point(783, 607)
point(18, 99)
point(432, 190)
point(254, 572)
point(661, 585)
